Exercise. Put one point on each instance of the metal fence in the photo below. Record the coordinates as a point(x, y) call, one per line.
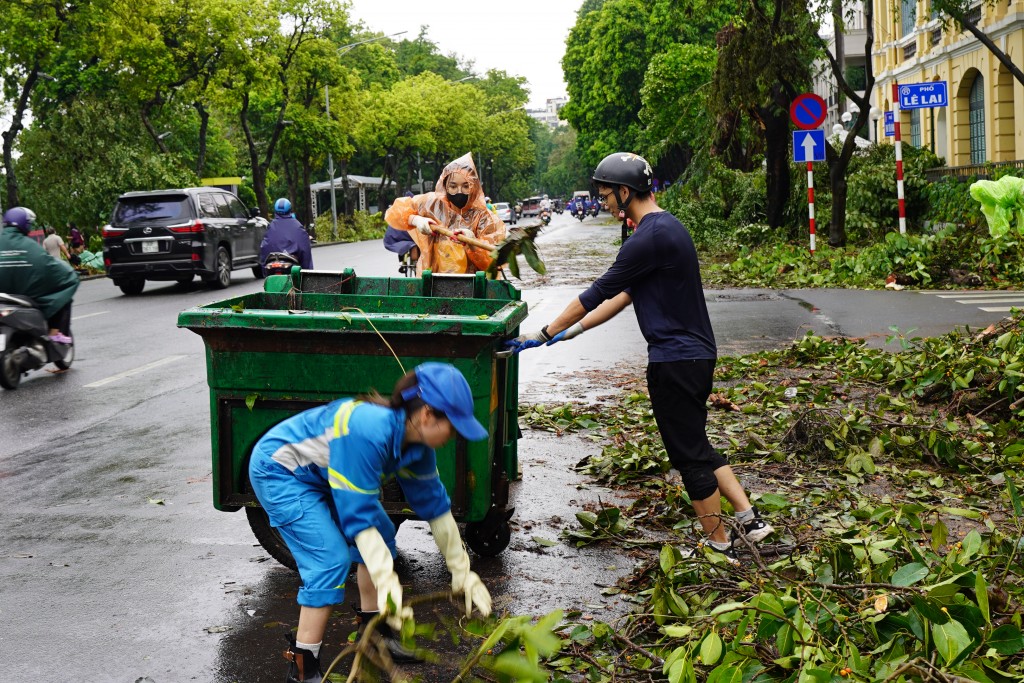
point(971, 172)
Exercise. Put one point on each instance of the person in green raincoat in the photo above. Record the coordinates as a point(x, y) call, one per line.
point(26, 269)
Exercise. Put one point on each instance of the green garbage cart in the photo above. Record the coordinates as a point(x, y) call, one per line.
point(312, 336)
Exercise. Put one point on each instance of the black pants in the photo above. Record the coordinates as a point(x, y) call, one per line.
point(679, 395)
point(61, 320)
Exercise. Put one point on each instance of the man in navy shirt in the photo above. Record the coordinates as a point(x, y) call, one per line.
point(657, 271)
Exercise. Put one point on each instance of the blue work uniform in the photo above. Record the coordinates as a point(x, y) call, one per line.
point(319, 474)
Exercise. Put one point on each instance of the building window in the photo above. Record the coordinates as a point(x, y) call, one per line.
point(976, 109)
point(910, 50)
point(937, 36)
point(915, 127)
point(908, 15)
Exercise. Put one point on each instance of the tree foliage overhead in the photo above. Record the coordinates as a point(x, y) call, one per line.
point(170, 92)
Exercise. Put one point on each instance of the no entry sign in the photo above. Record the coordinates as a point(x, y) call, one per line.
point(807, 111)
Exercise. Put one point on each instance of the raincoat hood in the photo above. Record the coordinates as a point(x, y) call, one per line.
point(464, 164)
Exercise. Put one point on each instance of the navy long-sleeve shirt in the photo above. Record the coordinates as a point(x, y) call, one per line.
point(658, 267)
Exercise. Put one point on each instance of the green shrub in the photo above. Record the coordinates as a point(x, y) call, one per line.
point(355, 228)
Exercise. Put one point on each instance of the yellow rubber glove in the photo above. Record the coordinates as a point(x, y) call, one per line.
point(378, 561)
point(449, 542)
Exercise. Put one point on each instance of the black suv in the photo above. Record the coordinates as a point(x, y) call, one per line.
point(173, 235)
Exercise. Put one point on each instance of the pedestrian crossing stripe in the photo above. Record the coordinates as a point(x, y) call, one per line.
point(1009, 300)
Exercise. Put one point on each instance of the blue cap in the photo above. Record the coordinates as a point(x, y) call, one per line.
point(442, 386)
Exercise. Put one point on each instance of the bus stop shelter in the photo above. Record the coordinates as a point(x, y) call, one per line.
point(359, 187)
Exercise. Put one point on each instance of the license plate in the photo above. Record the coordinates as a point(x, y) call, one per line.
point(150, 247)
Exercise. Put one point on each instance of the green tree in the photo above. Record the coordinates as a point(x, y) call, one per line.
point(565, 172)
point(779, 37)
point(75, 167)
point(958, 13)
point(421, 55)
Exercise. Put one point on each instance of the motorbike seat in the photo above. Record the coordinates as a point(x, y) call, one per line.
point(17, 300)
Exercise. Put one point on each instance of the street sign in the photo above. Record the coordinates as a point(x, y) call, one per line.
point(890, 124)
point(924, 95)
point(808, 111)
point(808, 145)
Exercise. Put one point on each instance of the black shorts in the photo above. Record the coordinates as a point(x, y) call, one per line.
point(679, 394)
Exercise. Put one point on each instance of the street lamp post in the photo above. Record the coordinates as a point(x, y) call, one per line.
point(327, 102)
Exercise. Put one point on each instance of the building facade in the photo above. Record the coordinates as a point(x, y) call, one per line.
point(984, 121)
point(549, 114)
point(852, 64)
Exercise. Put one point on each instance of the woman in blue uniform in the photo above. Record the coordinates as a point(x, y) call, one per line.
point(318, 476)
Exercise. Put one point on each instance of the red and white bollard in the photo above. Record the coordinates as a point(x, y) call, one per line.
point(899, 158)
point(810, 199)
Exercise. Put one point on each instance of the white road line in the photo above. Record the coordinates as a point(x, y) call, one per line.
point(89, 315)
point(998, 309)
point(976, 295)
point(136, 371)
point(1000, 300)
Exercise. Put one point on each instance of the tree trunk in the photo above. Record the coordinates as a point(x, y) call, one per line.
point(11, 135)
point(837, 180)
point(777, 140)
point(307, 174)
point(204, 125)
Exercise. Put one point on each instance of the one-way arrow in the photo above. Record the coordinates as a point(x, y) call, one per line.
point(809, 146)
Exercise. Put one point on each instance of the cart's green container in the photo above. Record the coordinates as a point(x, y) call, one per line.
point(313, 336)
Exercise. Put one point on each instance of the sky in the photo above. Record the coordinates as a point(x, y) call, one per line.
point(522, 37)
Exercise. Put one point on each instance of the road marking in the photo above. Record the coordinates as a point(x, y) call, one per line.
point(999, 309)
point(89, 315)
point(136, 371)
point(982, 295)
point(1015, 299)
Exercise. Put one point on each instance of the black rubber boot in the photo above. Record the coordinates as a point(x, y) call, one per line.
point(303, 667)
point(400, 654)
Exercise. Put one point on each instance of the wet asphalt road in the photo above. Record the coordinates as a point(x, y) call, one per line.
point(114, 566)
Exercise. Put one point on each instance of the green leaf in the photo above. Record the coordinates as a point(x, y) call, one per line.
point(981, 591)
point(1006, 640)
point(1014, 497)
point(250, 401)
point(547, 543)
point(711, 648)
point(729, 672)
point(950, 639)
point(532, 257)
point(667, 558)
point(939, 535)
point(909, 574)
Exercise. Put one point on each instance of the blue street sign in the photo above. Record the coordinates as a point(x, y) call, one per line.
point(808, 145)
point(924, 95)
point(890, 124)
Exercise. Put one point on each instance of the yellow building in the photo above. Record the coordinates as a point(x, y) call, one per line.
point(984, 121)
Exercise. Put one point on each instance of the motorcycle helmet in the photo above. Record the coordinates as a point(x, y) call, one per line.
point(624, 168)
point(282, 207)
point(21, 218)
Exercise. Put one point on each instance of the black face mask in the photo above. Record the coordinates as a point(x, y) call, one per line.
point(460, 200)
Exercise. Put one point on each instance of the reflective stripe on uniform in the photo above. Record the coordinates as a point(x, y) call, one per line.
point(339, 481)
point(406, 473)
point(342, 417)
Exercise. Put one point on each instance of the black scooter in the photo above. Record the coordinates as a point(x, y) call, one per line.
point(545, 216)
point(279, 263)
point(579, 213)
point(24, 342)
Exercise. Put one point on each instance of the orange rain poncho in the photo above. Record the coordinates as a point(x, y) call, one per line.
point(441, 254)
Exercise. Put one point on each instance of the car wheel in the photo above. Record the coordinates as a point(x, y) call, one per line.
point(10, 373)
point(223, 277)
point(257, 272)
point(69, 357)
point(132, 287)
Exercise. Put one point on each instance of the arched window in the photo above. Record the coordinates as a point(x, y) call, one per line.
point(908, 16)
point(915, 127)
point(976, 109)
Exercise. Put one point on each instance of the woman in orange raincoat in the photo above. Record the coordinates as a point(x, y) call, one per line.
point(457, 203)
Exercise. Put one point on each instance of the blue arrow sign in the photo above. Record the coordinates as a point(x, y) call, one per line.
point(808, 145)
point(890, 124)
point(924, 95)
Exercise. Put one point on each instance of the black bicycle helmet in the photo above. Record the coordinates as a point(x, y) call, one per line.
point(625, 168)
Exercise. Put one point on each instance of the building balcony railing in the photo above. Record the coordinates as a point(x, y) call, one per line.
point(972, 171)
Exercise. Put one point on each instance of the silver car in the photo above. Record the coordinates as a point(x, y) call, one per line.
point(505, 212)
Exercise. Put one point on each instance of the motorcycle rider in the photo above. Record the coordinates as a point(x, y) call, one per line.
point(286, 235)
point(26, 269)
point(457, 203)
